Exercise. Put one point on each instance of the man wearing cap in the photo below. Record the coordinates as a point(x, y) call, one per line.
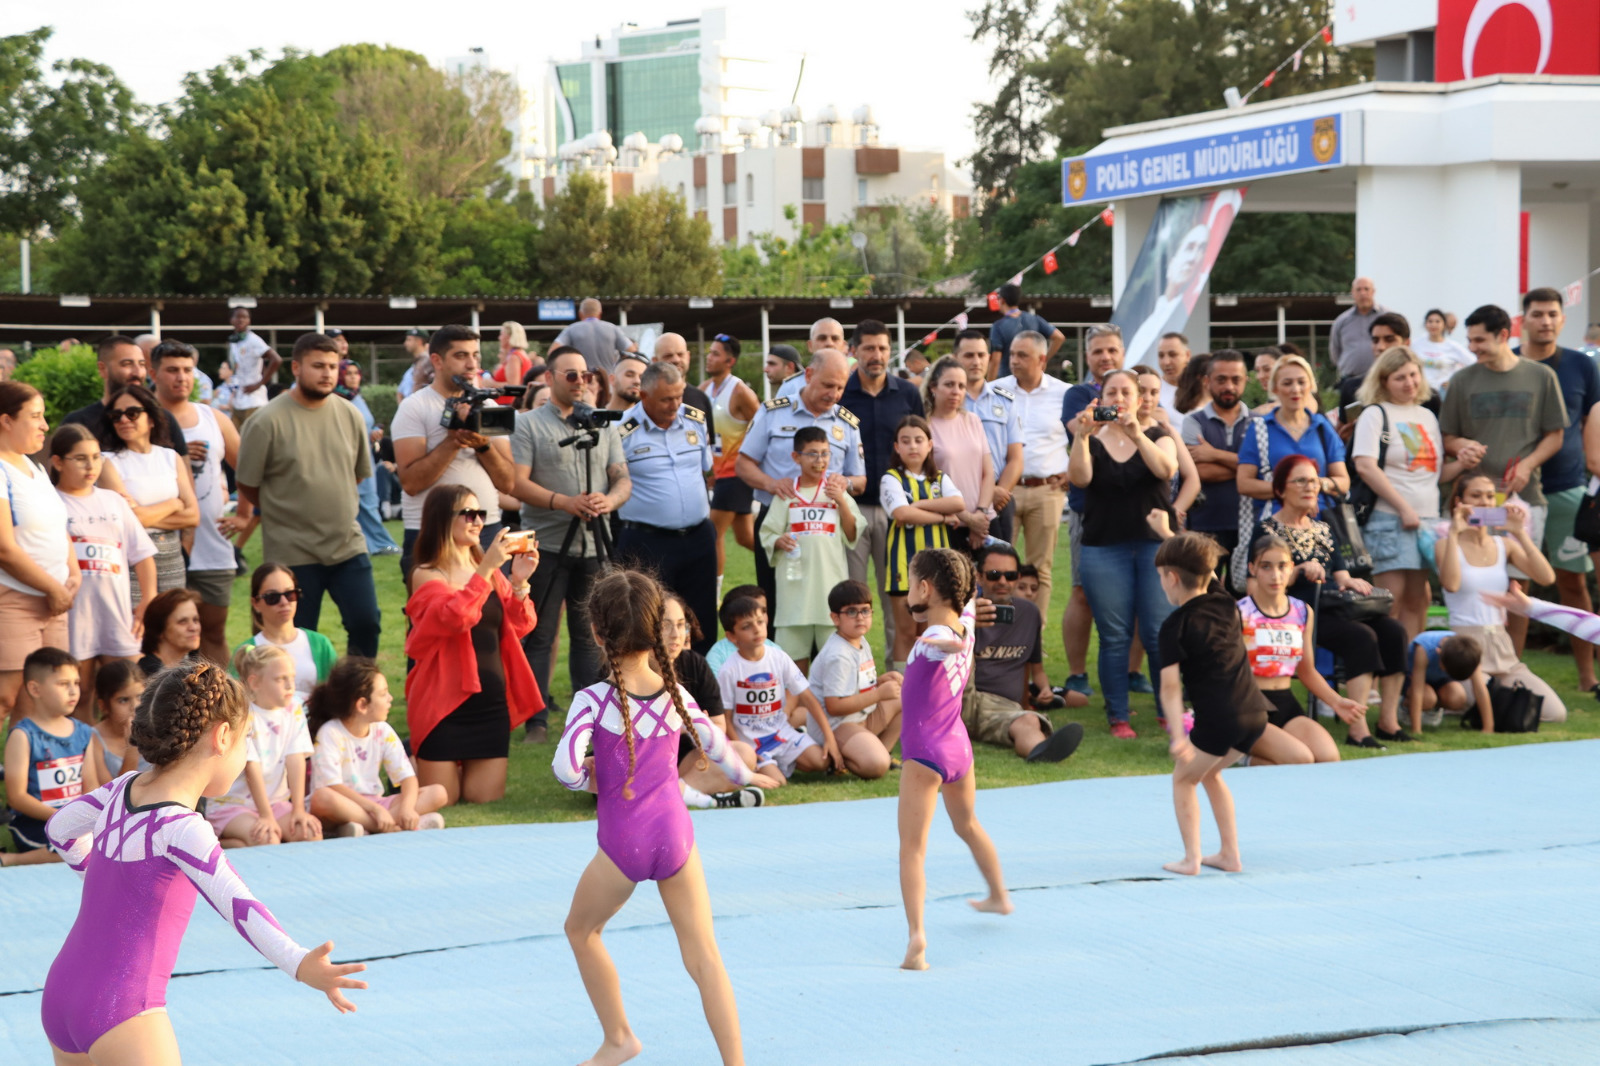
point(419, 375)
point(1012, 321)
point(766, 461)
point(782, 365)
point(878, 401)
point(825, 333)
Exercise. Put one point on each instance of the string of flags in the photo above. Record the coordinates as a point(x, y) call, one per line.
point(1294, 60)
point(1048, 261)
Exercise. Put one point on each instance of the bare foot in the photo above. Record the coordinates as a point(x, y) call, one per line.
point(916, 954)
point(1220, 861)
point(612, 1054)
point(992, 905)
point(1183, 866)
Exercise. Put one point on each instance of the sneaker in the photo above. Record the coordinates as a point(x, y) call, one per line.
point(1433, 719)
point(431, 821)
point(1368, 741)
point(1078, 683)
point(1398, 735)
point(1244, 760)
point(351, 829)
point(1123, 731)
point(749, 796)
point(1140, 684)
point(1058, 745)
point(389, 549)
point(1374, 698)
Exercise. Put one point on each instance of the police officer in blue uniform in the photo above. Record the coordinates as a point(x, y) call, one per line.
point(1002, 427)
point(666, 523)
point(766, 462)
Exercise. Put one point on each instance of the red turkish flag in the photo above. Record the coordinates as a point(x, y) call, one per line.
point(930, 338)
point(1050, 264)
point(1327, 35)
point(1271, 77)
point(1109, 216)
point(1480, 37)
point(994, 301)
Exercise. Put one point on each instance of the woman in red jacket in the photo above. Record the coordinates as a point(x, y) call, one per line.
point(471, 684)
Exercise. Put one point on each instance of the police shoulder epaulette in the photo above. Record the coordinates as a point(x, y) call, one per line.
point(1005, 394)
point(694, 414)
point(628, 427)
point(848, 417)
point(774, 404)
point(791, 377)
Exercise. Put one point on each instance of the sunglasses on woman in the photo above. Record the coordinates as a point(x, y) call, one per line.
point(132, 414)
point(273, 598)
point(474, 514)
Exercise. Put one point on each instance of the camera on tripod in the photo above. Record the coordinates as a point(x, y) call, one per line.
point(585, 417)
point(488, 421)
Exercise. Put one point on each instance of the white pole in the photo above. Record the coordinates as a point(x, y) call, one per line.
point(766, 346)
point(27, 267)
point(320, 321)
point(900, 325)
point(475, 310)
point(155, 322)
point(1283, 323)
point(622, 316)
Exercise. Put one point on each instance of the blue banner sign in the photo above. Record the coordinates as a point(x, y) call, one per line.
point(557, 311)
point(1227, 158)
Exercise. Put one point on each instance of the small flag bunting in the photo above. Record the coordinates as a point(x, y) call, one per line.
point(1016, 279)
point(1271, 77)
point(1072, 239)
point(1327, 35)
point(1298, 55)
point(994, 301)
point(1109, 216)
point(1050, 264)
point(961, 321)
point(1574, 294)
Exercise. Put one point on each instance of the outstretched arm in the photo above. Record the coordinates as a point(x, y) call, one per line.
point(69, 828)
point(717, 748)
point(570, 765)
point(1581, 624)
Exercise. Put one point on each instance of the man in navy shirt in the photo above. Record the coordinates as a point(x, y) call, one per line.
point(1012, 321)
point(879, 401)
point(1564, 473)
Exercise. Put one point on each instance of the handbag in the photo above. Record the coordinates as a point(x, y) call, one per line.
point(1353, 554)
point(1352, 606)
point(1239, 563)
point(1587, 525)
point(1516, 709)
point(1363, 498)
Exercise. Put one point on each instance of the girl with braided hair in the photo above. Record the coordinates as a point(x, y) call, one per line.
point(933, 739)
point(144, 852)
point(644, 831)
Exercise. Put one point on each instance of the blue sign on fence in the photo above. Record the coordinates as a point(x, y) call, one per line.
point(557, 311)
point(1227, 158)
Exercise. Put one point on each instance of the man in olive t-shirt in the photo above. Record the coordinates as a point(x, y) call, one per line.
point(300, 460)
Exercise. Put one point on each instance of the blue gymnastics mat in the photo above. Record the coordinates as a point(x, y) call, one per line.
point(1429, 909)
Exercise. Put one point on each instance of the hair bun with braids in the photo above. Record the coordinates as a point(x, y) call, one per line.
point(179, 705)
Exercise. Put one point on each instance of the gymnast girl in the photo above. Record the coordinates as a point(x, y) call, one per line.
point(933, 740)
point(1203, 654)
point(633, 721)
point(143, 852)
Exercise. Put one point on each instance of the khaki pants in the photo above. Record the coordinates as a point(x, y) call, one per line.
point(1501, 663)
point(872, 542)
point(1039, 522)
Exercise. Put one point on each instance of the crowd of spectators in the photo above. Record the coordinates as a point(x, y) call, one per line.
point(1441, 463)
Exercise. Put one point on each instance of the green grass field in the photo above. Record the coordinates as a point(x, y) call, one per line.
point(533, 794)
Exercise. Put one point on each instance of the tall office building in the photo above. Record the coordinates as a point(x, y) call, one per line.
point(658, 81)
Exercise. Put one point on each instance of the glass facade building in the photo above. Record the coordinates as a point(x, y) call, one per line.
point(652, 85)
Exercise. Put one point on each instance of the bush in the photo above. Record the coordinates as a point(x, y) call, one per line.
point(67, 381)
point(383, 401)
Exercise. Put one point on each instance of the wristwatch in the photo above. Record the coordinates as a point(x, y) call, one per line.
point(480, 449)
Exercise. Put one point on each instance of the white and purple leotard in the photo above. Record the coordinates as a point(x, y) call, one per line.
point(649, 836)
point(931, 730)
point(1581, 624)
point(141, 868)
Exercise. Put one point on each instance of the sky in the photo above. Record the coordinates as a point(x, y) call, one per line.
point(920, 70)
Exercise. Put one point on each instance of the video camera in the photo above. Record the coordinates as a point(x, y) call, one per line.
point(584, 417)
point(491, 421)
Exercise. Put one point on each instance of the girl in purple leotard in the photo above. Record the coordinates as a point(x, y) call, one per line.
point(933, 739)
point(633, 722)
point(143, 852)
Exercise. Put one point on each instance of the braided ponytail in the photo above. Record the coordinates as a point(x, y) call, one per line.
point(179, 705)
point(627, 717)
point(669, 674)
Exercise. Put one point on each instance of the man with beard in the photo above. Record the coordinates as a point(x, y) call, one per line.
point(120, 361)
point(782, 365)
point(625, 381)
point(300, 460)
point(1213, 434)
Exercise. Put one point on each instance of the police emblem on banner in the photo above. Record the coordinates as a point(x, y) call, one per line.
point(1077, 179)
point(1324, 138)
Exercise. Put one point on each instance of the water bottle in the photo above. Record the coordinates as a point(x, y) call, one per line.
point(791, 568)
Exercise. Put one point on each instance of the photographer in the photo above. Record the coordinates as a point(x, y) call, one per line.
point(559, 483)
point(426, 453)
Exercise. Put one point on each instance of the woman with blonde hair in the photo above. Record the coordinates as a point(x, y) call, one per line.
point(1293, 428)
point(515, 361)
point(1399, 454)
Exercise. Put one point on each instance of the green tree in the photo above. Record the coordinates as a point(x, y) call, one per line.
point(250, 192)
point(1019, 229)
point(66, 380)
point(643, 245)
point(53, 131)
point(820, 262)
point(488, 247)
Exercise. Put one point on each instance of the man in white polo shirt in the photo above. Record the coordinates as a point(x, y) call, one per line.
point(1042, 492)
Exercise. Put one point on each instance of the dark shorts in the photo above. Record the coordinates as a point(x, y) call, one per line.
point(732, 494)
point(1285, 707)
point(214, 586)
point(1216, 734)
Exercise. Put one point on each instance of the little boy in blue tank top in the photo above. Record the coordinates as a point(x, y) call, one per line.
point(48, 755)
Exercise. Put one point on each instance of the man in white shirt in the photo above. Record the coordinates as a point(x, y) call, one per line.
point(1041, 493)
point(254, 365)
point(1172, 355)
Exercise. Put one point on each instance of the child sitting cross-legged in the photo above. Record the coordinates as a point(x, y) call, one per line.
point(863, 706)
point(50, 756)
point(759, 684)
point(348, 714)
point(1445, 677)
point(267, 804)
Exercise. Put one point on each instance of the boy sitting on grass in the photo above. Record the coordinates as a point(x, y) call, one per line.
point(49, 755)
point(1445, 677)
point(863, 707)
point(808, 540)
point(718, 653)
point(759, 684)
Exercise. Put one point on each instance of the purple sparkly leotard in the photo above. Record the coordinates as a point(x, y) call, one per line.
point(931, 730)
point(649, 836)
point(141, 867)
